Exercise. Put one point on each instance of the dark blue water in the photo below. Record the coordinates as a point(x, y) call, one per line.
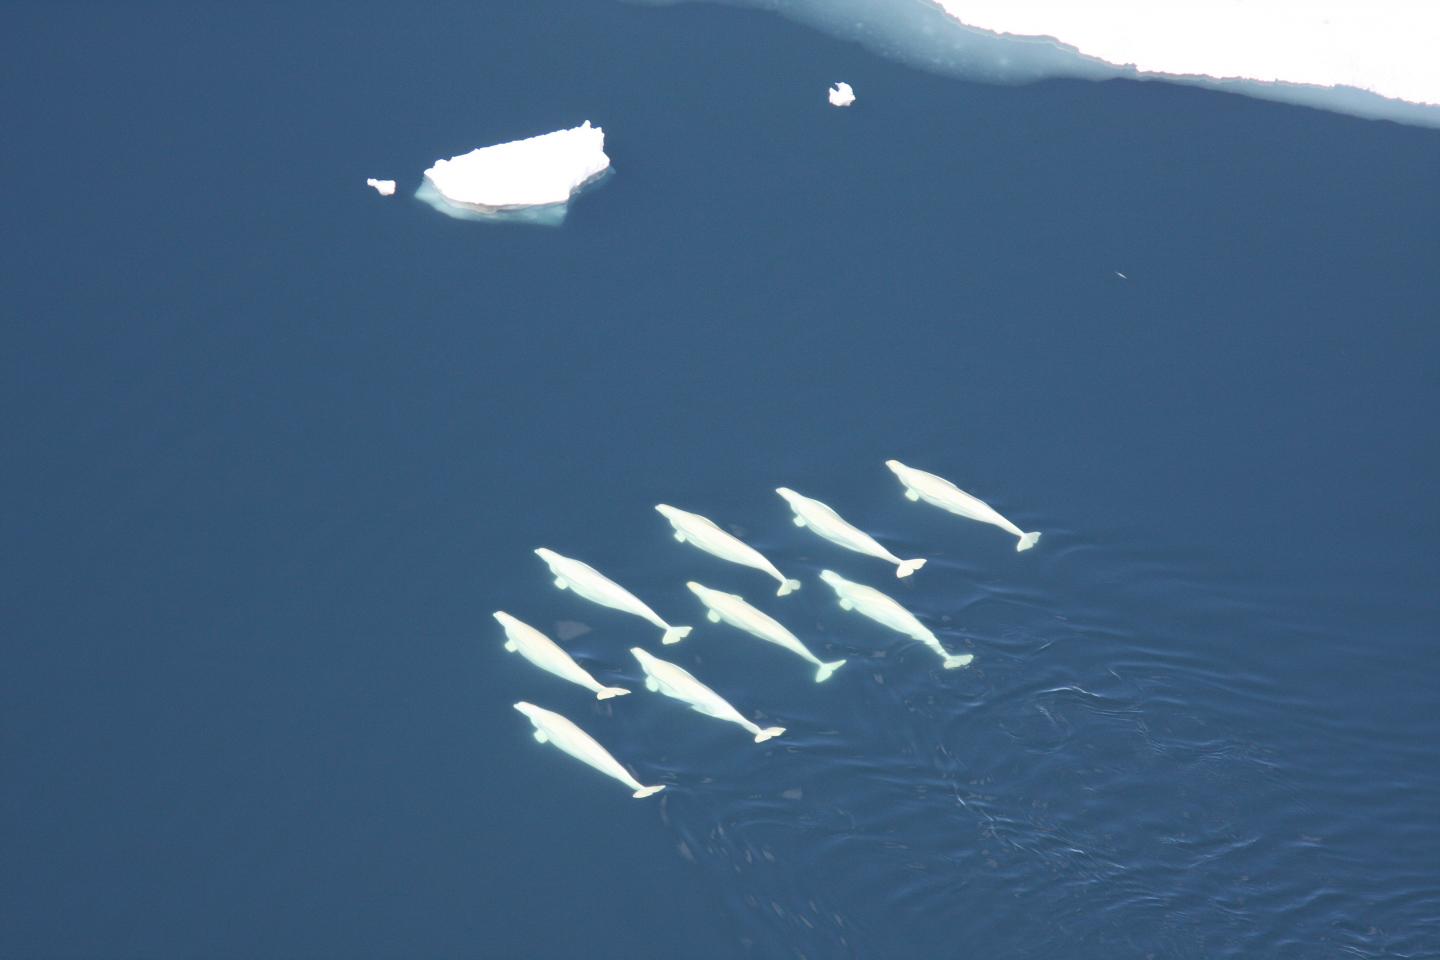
point(275, 448)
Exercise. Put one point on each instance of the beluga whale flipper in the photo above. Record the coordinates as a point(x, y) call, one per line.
point(707, 535)
point(546, 654)
point(869, 602)
point(552, 728)
point(661, 676)
point(920, 485)
point(824, 521)
point(594, 586)
point(733, 610)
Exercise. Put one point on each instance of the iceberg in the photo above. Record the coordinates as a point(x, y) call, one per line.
point(528, 180)
point(386, 188)
point(842, 94)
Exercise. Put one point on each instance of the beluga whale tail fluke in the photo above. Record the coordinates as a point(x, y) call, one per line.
point(675, 634)
point(768, 733)
point(790, 586)
point(1027, 540)
point(644, 792)
point(908, 567)
point(826, 669)
point(609, 693)
point(961, 660)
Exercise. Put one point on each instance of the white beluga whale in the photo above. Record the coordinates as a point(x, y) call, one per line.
point(662, 676)
point(824, 521)
point(707, 535)
point(550, 727)
point(920, 485)
point(734, 610)
point(594, 586)
point(546, 654)
point(869, 602)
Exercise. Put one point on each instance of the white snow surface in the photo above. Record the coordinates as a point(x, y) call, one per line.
point(541, 171)
point(1389, 47)
point(842, 94)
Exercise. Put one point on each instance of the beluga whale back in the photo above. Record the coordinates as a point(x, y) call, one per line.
point(662, 676)
point(552, 728)
point(869, 602)
point(822, 520)
point(734, 610)
point(594, 586)
point(707, 535)
point(920, 485)
point(546, 654)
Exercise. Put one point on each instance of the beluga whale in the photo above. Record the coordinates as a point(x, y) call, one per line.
point(546, 654)
point(707, 535)
point(869, 602)
point(662, 676)
point(734, 610)
point(550, 727)
point(594, 586)
point(920, 485)
point(824, 521)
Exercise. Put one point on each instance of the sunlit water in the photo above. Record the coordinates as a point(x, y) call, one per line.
point(279, 447)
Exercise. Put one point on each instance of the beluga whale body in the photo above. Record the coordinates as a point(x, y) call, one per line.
point(920, 485)
point(661, 676)
point(869, 602)
point(546, 654)
point(824, 521)
point(550, 727)
point(707, 535)
point(594, 586)
point(734, 610)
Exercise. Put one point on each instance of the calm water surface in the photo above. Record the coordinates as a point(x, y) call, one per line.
point(276, 448)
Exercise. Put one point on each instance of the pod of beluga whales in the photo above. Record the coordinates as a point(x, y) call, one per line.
point(674, 681)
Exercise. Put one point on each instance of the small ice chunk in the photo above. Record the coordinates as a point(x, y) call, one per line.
point(386, 188)
point(543, 171)
point(842, 94)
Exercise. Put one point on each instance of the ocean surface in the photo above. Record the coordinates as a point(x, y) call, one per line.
point(276, 447)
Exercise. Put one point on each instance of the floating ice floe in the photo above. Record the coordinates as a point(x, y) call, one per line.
point(842, 94)
point(386, 188)
point(1374, 59)
point(526, 180)
point(1385, 47)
